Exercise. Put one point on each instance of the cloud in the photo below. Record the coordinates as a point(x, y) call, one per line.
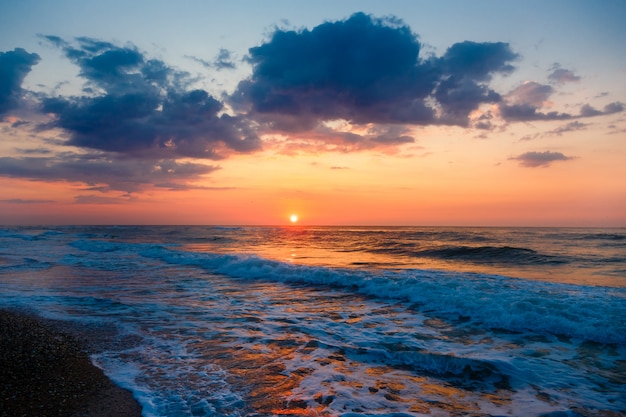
point(531, 94)
point(611, 108)
point(94, 170)
point(365, 70)
point(35, 151)
point(356, 84)
point(99, 199)
point(540, 159)
point(26, 201)
point(141, 107)
point(569, 127)
point(562, 76)
point(526, 102)
point(527, 113)
point(14, 66)
point(223, 60)
point(566, 128)
point(326, 139)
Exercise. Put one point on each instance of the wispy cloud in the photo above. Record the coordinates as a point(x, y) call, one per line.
point(223, 60)
point(93, 170)
point(26, 201)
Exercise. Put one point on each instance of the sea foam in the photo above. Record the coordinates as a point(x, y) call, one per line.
point(512, 304)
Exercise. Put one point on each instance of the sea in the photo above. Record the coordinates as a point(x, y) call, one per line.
point(338, 321)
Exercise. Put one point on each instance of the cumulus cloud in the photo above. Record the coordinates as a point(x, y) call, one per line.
point(14, 66)
point(356, 84)
point(366, 70)
point(141, 107)
point(540, 159)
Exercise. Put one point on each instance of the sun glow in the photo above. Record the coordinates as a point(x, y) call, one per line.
point(293, 218)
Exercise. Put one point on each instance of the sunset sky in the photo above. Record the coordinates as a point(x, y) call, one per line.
point(391, 112)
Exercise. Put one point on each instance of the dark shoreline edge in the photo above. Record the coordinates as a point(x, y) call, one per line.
point(46, 371)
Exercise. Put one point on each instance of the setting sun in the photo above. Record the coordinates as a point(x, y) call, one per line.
point(293, 218)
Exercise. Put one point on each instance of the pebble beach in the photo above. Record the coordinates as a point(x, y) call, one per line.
point(46, 371)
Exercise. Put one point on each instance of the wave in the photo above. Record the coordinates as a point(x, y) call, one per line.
point(399, 356)
point(603, 236)
point(480, 254)
point(13, 264)
point(492, 301)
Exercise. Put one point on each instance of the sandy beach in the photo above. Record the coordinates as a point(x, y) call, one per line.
point(45, 371)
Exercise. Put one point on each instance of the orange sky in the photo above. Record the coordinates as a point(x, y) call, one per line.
point(537, 139)
point(425, 185)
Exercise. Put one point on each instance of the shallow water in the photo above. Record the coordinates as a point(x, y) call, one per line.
point(339, 321)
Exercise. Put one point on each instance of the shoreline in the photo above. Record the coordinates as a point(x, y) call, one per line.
point(46, 371)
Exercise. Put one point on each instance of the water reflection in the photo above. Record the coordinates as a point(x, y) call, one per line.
point(525, 253)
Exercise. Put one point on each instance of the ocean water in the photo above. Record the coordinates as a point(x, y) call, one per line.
point(331, 321)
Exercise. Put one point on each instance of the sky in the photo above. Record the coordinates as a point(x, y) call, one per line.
point(447, 113)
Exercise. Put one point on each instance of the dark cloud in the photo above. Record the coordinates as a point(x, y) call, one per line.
point(540, 159)
point(129, 175)
point(14, 66)
point(140, 115)
point(366, 70)
point(139, 106)
point(478, 61)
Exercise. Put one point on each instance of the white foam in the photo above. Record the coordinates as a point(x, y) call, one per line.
point(589, 313)
point(417, 327)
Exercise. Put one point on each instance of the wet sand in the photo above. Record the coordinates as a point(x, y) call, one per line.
point(45, 371)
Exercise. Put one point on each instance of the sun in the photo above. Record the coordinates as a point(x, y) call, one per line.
point(293, 218)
